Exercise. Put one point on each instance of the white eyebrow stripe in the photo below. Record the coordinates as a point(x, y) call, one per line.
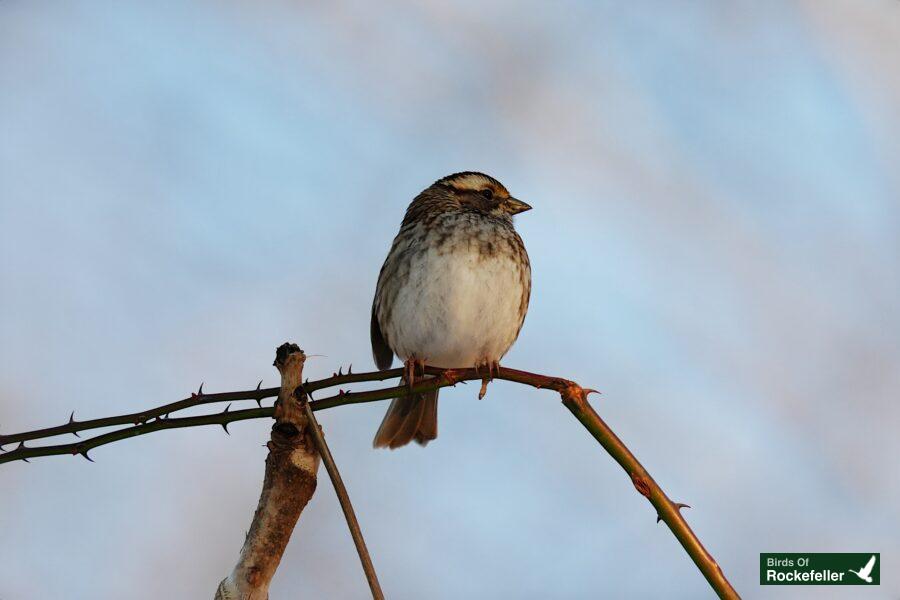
point(470, 182)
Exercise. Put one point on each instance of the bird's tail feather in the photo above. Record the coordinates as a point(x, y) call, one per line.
point(408, 418)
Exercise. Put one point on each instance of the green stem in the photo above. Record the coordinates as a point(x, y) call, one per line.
point(667, 511)
point(344, 498)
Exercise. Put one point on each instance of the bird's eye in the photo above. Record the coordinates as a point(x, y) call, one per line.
point(488, 193)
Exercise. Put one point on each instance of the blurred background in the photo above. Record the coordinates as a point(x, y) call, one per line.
point(186, 185)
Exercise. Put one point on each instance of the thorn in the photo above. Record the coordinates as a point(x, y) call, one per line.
point(71, 421)
point(333, 374)
point(200, 391)
point(21, 446)
point(258, 385)
point(225, 424)
point(350, 369)
point(341, 392)
point(678, 506)
point(77, 450)
point(340, 372)
point(259, 402)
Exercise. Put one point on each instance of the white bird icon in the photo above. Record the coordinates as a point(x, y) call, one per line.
point(866, 571)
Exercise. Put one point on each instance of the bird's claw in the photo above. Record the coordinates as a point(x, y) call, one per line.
point(492, 367)
point(413, 369)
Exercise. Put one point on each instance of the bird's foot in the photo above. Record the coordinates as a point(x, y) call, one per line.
point(413, 370)
point(492, 367)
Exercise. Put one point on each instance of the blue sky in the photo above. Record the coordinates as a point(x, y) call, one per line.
point(186, 185)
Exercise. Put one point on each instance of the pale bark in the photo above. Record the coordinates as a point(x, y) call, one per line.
point(290, 481)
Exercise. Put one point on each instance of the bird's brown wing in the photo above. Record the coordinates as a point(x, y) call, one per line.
point(390, 274)
point(382, 353)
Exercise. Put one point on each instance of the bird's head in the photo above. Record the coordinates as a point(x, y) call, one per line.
point(480, 193)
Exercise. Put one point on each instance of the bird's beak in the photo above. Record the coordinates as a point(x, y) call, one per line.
point(515, 207)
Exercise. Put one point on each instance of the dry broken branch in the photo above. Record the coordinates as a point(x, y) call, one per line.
point(289, 483)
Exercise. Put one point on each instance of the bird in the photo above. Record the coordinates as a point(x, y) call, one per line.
point(452, 293)
point(866, 572)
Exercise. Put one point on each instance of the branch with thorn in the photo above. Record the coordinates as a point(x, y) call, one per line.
point(573, 396)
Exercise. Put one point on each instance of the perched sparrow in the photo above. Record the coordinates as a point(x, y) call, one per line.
point(453, 293)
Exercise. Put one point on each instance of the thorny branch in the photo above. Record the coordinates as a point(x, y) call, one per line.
point(198, 398)
point(574, 398)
